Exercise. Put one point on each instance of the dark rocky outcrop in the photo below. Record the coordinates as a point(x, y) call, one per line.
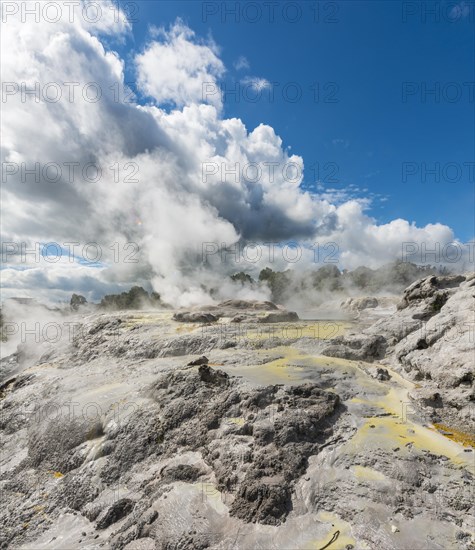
point(77, 301)
point(203, 360)
point(117, 511)
point(194, 317)
point(283, 425)
point(357, 347)
point(248, 304)
point(279, 317)
point(238, 311)
point(136, 298)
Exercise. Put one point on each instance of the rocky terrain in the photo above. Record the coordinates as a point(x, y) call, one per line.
point(241, 426)
point(430, 339)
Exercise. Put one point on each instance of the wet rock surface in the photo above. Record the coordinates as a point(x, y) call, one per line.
point(431, 339)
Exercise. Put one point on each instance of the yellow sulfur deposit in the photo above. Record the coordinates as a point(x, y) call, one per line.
point(466, 439)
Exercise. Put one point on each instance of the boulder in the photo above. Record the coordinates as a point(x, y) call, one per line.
point(194, 317)
point(203, 360)
point(279, 317)
point(248, 304)
point(355, 305)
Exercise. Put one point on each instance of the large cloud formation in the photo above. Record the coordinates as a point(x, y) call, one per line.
point(176, 177)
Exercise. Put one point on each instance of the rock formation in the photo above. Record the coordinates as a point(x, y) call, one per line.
point(431, 340)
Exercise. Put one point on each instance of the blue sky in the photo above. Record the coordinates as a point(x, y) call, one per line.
point(361, 54)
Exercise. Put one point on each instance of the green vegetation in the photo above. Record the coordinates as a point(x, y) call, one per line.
point(327, 277)
point(76, 301)
point(323, 280)
point(278, 282)
point(242, 278)
point(393, 277)
point(136, 298)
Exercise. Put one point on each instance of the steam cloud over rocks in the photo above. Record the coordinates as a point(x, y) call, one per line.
point(153, 155)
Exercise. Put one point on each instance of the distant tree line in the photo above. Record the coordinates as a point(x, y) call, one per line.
point(135, 298)
point(394, 277)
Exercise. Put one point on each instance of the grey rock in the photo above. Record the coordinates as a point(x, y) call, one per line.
point(356, 305)
point(382, 374)
point(194, 317)
point(203, 360)
point(279, 317)
point(248, 305)
point(357, 347)
point(116, 512)
point(204, 457)
point(431, 340)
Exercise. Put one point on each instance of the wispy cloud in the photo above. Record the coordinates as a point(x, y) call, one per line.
point(256, 83)
point(351, 192)
point(241, 63)
point(338, 196)
point(341, 143)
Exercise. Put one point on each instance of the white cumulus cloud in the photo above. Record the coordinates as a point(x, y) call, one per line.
point(178, 69)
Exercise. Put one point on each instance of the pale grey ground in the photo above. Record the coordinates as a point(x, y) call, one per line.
point(286, 441)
